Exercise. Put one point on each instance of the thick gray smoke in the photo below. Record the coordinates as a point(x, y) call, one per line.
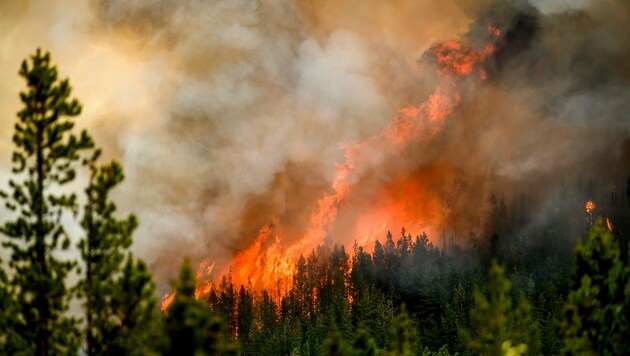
point(228, 113)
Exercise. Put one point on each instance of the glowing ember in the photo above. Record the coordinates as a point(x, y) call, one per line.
point(609, 225)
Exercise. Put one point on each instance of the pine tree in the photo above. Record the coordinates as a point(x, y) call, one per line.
point(597, 314)
point(496, 326)
point(103, 252)
point(300, 288)
point(456, 317)
point(245, 316)
point(364, 344)
point(378, 256)
point(135, 309)
point(46, 152)
point(403, 335)
point(335, 346)
point(228, 305)
point(10, 342)
point(190, 325)
point(443, 351)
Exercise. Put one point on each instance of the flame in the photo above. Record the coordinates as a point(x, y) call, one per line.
point(408, 201)
point(609, 225)
point(269, 262)
point(202, 288)
point(204, 279)
point(167, 300)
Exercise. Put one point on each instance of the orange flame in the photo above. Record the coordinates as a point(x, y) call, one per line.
point(167, 300)
point(269, 263)
point(590, 207)
point(609, 225)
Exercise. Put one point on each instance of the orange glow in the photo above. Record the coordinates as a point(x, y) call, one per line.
point(494, 31)
point(269, 262)
point(609, 225)
point(590, 207)
point(204, 279)
point(167, 300)
point(408, 202)
point(457, 59)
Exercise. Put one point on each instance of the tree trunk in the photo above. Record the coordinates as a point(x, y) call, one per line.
point(41, 296)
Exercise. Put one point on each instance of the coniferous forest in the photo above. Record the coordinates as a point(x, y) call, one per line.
point(560, 288)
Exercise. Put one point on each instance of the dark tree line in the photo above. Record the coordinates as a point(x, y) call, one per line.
point(517, 288)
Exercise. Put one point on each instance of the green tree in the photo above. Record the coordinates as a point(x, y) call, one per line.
point(228, 305)
point(597, 314)
point(364, 344)
point(190, 325)
point(403, 335)
point(45, 156)
point(456, 316)
point(112, 295)
point(497, 328)
point(10, 341)
point(135, 309)
point(443, 351)
point(245, 316)
point(335, 346)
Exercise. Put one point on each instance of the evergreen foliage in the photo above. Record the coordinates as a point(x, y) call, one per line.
point(118, 301)
point(403, 336)
point(190, 325)
point(495, 324)
point(597, 314)
point(45, 158)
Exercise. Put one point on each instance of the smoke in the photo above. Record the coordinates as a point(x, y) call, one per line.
point(228, 115)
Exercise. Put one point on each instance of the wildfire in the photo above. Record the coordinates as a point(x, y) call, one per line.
point(269, 262)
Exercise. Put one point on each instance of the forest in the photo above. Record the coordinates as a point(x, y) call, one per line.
point(559, 287)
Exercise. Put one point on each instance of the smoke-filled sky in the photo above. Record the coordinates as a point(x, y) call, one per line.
point(228, 115)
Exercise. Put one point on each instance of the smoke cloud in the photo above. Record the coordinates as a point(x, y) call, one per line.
point(228, 115)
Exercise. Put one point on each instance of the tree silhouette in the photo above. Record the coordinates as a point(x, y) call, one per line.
point(45, 157)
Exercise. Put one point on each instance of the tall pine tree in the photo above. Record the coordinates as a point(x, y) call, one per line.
point(597, 313)
point(119, 303)
point(45, 157)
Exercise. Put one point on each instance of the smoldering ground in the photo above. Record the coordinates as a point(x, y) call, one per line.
point(228, 114)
